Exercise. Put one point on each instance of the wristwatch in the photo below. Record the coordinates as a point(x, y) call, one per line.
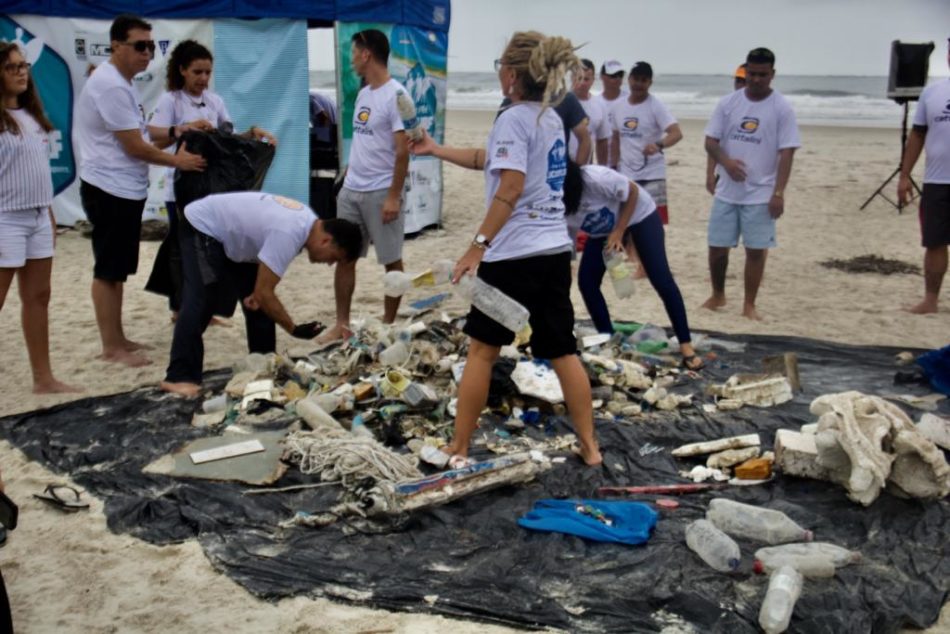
point(171, 133)
point(481, 241)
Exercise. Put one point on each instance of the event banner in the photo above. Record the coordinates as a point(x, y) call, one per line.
point(417, 60)
point(65, 51)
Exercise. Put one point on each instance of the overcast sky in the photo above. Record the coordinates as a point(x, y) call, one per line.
point(809, 37)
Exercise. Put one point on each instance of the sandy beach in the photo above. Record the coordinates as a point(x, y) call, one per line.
point(70, 573)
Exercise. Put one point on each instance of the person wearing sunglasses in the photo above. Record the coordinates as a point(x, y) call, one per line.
point(188, 104)
point(115, 151)
point(27, 226)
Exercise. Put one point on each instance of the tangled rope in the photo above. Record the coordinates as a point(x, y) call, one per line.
point(348, 459)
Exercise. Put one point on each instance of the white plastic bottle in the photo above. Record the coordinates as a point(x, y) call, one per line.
point(407, 112)
point(837, 555)
point(620, 274)
point(493, 303)
point(396, 283)
point(810, 566)
point(785, 586)
point(753, 522)
point(713, 546)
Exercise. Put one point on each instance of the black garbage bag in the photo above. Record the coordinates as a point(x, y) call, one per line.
point(235, 164)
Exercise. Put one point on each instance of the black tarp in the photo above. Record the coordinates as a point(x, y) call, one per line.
point(479, 564)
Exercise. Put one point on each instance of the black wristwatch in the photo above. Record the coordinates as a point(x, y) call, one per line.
point(171, 133)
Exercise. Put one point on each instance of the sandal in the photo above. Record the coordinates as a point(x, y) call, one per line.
point(55, 495)
point(693, 363)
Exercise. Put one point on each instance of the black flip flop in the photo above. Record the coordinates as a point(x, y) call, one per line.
point(55, 495)
point(693, 368)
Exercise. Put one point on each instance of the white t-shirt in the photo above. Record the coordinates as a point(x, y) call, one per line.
point(933, 111)
point(605, 192)
point(597, 124)
point(108, 104)
point(536, 148)
point(177, 107)
point(609, 105)
point(25, 178)
point(373, 152)
point(254, 226)
point(639, 125)
point(753, 131)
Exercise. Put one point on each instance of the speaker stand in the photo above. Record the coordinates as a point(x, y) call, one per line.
point(915, 188)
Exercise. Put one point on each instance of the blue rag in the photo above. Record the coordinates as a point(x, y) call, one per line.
point(936, 366)
point(631, 521)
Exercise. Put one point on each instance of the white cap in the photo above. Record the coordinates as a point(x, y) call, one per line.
point(612, 67)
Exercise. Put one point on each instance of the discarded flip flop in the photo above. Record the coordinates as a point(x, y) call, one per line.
point(55, 495)
point(693, 363)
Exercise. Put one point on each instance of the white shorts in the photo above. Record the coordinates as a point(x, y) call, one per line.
point(25, 234)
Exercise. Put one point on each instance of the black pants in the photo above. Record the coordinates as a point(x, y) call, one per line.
point(209, 276)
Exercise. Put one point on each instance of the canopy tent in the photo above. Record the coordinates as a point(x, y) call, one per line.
point(261, 71)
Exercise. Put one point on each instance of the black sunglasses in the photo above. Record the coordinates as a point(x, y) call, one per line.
point(141, 45)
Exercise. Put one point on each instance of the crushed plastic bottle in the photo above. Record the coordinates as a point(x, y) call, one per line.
point(753, 522)
point(396, 354)
point(785, 586)
point(493, 303)
point(620, 274)
point(837, 555)
point(713, 546)
point(396, 283)
point(407, 112)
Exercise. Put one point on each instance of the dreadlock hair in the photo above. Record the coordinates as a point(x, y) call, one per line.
point(541, 65)
point(29, 99)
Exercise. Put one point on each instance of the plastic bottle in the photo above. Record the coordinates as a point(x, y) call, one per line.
point(396, 354)
point(837, 555)
point(620, 274)
point(713, 546)
point(785, 586)
point(493, 303)
point(396, 283)
point(407, 112)
point(317, 418)
point(753, 522)
point(442, 270)
point(810, 567)
point(215, 404)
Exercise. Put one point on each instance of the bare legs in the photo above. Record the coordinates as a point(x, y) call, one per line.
point(107, 301)
point(33, 280)
point(754, 272)
point(935, 267)
point(473, 394)
point(344, 284)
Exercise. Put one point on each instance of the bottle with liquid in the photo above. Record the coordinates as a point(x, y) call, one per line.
point(713, 546)
point(620, 274)
point(493, 303)
point(753, 522)
point(785, 586)
point(407, 112)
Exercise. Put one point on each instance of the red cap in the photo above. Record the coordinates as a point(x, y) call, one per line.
point(758, 567)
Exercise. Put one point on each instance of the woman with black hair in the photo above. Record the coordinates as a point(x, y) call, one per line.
point(613, 210)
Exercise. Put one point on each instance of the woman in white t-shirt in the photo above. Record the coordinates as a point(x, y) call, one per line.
point(27, 226)
point(188, 104)
point(613, 210)
point(522, 247)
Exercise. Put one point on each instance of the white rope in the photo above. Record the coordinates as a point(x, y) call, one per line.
point(348, 459)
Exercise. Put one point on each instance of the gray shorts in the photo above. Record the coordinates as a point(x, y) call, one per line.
point(366, 210)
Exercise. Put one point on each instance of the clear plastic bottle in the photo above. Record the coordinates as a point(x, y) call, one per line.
point(713, 546)
point(396, 283)
point(493, 303)
point(396, 354)
point(753, 522)
point(620, 274)
point(837, 555)
point(785, 586)
point(407, 112)
point(809, 566)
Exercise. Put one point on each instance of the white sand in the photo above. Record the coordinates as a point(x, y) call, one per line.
point(69, 573)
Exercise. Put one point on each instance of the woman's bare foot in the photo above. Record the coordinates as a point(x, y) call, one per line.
point(338, 332)
point(715, 302)
point(125, 357)
point(52, 386)
point(590, 455)
point(188, 390)
point(923, 308)
point(749, 312)
point(134, 346)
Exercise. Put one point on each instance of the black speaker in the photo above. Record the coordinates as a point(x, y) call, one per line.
point(909, 66)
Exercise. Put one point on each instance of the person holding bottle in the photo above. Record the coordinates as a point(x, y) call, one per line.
point(614, 210)
point(522, 247)
point(27, 226)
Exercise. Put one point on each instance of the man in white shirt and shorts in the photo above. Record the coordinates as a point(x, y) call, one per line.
point(753, 135)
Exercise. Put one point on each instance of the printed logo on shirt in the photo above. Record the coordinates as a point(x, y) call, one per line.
point(501, 152)
point(599, 222)
point(289, 203)
point(746, 131)
point(749, 125)
point(363, 115)
point(557, 165)
point(945, 117)
point(631, 123)
point(360, 121)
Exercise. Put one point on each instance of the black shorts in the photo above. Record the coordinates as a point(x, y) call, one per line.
point(116, 227)
point(542, 284)
point(935, 215)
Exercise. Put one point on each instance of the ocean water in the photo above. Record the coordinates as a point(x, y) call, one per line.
point(817, 99)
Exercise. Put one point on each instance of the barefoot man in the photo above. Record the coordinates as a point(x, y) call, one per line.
point(114, 155)
point(931, 133)
point(753, 135)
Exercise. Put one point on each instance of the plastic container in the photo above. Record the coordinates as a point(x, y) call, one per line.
point(785, 586)
point(328, 402)
point(396, 283)
point(810, 567)
point(620, 274)
point(215, 404)
point(837, 555)
point(396, 354)
point(316, 417)
point(753, 522)
point(493, 303)
point(442, 270)
point(407, 112)
point(713, 546)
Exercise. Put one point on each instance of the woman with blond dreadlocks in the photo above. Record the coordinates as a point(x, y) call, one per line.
point(522, 247)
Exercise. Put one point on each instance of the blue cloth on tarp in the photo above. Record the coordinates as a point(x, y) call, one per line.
point(936, 366)
point(631, 521)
